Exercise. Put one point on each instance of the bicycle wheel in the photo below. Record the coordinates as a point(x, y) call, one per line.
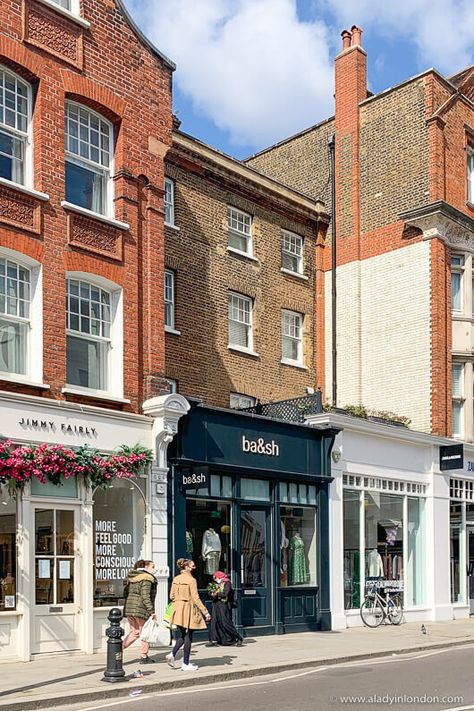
point(371, 612)
point(395, 609)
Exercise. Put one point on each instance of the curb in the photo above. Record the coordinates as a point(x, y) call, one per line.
point(111, 691)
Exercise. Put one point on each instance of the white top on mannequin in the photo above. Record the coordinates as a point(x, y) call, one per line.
point(375, 565)
point(211, 543)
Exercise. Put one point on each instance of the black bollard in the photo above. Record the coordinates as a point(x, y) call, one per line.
point(114, 671)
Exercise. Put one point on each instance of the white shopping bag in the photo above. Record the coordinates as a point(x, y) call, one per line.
point(155, 634)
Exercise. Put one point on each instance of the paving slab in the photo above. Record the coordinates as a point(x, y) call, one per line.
point(50, 681)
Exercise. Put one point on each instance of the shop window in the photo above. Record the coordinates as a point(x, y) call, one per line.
point(455, 552)
point(297, 493)
point(255, 489)
point(89, 156)
point(119, 526)
point(220, 487)
point(351, 512)
point(208, 538)
point(8, 552)
point(384, 537)
point(416, 561)
point(298, 546)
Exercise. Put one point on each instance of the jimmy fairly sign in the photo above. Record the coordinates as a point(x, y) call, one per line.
point(259, 446)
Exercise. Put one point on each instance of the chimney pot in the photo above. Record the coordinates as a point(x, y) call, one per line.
point(346, 39)
point(356, 35)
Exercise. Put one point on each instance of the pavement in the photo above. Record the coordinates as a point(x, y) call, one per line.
point(51, 681)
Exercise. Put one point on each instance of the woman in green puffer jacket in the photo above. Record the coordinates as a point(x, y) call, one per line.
point(140, 593)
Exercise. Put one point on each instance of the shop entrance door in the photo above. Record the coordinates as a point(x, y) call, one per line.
point(470, 567)
point(255, 566)
point(56, 618)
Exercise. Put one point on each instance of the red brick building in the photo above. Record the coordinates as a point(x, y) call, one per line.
point(405, 228)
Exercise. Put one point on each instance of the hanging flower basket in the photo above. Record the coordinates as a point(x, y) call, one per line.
point(54, 464)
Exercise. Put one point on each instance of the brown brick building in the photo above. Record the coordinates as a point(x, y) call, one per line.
point(244, 286)
point(405, 209)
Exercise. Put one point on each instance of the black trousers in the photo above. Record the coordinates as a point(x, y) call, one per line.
point(185, 640)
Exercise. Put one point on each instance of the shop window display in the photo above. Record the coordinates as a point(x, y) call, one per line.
point(416, 553)
point(119, 527)
point(298, 546)
point(352, 592)
point(8, 552)
point(208, 538)
point(384, 537)
point(455, 552)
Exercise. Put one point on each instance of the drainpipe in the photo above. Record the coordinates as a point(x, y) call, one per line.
point(332, 146)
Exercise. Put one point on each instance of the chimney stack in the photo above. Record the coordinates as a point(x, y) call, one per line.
point(346, 39)
point(356, 36)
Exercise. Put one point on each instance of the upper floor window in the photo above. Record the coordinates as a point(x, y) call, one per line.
point(470, 175)
point(15, 104)
point(172, 385)
point(239, 401)
point(89, 158)
point(291, 252)
point(15, 301)
point(239, 225)
point(291, 337)
point(458, 399)
point(169, 299)
point(457, 271)
point(169, 202)
point(88, 342)
point(240, 321)
point(66, 4)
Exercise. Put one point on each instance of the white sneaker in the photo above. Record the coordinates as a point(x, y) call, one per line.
point(189, 667)
point(171, 660)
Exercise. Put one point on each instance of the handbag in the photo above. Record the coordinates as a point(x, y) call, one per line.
point(166, 622)
point(155, 634)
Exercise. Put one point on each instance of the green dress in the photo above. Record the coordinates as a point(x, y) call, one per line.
point(298, 567)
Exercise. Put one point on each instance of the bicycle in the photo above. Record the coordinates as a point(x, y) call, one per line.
point(376, 609)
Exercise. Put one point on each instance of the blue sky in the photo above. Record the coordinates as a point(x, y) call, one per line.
point(251, 72)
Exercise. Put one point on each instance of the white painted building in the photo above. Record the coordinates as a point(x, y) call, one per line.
point(65, 550)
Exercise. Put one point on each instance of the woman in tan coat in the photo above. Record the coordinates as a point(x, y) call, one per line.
point(188, 613)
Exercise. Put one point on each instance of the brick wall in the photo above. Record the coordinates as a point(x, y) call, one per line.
point(110, 69)
point(204, 271)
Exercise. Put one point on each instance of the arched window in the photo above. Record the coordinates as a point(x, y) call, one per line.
point(15, 107)
point(119, 526)
point(89, 159)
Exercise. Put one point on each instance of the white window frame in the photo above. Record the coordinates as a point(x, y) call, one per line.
point(238, 401)
point(170, 277)
point(169, 204)
point(106, 171)
point(25, 137)
point(458, 269)
point(297, 339)
point(115, 351)
point(296, 253)
point(172, 385)
point(73, 12)
point(470, 174)
point(236, 215)
point(459, 399)
point(34, 347)
point(248, 300)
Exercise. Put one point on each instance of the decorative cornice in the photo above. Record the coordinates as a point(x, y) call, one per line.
point(439, 220)
point(166, 411)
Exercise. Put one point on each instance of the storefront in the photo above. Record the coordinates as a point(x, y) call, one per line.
point(66, 547)
point(249, 496)
point(461, 540)
point(390, 519)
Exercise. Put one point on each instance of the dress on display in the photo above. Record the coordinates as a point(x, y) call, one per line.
point(375, 564)
point(211, 551)
point(298, 567)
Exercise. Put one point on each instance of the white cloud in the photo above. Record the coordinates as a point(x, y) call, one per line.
point(251, 66)
point(442, 30)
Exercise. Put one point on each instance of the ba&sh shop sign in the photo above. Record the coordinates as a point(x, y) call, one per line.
point(197, 478)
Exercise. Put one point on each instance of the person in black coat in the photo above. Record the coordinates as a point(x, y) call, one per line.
point(221, 628)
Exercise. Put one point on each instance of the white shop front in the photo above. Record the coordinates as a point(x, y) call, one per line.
point(66, 549)
point(390, 518)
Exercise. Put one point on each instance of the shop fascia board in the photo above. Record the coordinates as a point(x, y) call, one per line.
point(73, 407)
point(242, 174)
point(368, 427)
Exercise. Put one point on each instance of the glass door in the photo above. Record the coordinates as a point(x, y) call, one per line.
point(56, 587)
point(255, 566)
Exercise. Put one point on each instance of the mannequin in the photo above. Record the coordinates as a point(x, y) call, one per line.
point(211, 551)
point(284, 543)
point(189, 543)
point(374, 564)
point(298, 567)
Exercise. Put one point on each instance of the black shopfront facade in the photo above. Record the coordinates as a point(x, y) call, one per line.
point(250, 496)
